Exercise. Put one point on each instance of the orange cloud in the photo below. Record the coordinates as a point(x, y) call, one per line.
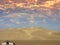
point(30, 3)
point(57, 1)
point(48, 4)
point(19, 4)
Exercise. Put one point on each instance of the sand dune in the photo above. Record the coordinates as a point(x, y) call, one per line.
point(29, 34)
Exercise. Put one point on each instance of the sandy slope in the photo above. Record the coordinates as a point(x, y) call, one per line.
point(29, 34)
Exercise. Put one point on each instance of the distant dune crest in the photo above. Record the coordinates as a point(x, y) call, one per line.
point(29, 34)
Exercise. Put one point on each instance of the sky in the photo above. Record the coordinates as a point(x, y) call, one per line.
point(30, 13)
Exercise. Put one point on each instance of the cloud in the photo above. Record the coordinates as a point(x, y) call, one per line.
point(4, 25)
point(42, 11)
point(54, 19)
point(44, 21)
point(13, 15)
point(48, 4)
point(1, 20)
point(31, 21)
point(57, 1)
point(41, 16)
point(28, 3)
point(14, 21)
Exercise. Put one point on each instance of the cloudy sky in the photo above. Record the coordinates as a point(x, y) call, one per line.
point(30, 13)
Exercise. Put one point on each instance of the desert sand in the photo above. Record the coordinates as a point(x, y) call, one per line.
point(29, 34)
